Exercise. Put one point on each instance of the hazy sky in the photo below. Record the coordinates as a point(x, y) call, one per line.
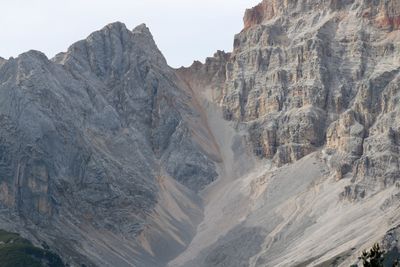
point(184, 30)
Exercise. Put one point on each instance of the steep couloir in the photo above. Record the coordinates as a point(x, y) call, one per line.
point(283, 152)
point(315, 85)
point(310, 74)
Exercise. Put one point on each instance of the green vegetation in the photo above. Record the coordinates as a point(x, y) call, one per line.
point(16, 251)
point(376, 257)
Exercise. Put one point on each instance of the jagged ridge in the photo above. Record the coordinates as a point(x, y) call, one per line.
point(114, 153)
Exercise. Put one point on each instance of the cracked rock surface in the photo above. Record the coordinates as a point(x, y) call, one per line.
point(283, 152)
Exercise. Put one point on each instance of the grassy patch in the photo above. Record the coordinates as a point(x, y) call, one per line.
point(16, 251)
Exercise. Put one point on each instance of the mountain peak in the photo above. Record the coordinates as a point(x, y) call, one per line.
point(145, 31)
point(299, 125)
point(32, 58)
point(381, 13)
point(142, 28)
point(115, 25)
point(34, 54)
point(256, 15)
point(116, 29)
point(110, 50)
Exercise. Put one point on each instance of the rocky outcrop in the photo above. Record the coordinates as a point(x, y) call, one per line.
point(263, 11)
point(384, 14)
point(112, 153)
point(302, 82)
point(144, 92)
point(2, 61)
point(85, 135)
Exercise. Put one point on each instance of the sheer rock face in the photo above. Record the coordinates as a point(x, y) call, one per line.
point(145, 93)
point(2, 61)
point(104, 147)
point(306, 75)
point(85, 137)
point(382, 13)
point(307, 79)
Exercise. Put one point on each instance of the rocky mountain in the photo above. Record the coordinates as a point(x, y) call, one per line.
point(284, 152)
point(91, 139)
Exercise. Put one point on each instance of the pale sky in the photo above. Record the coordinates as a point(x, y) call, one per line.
point(185, 30)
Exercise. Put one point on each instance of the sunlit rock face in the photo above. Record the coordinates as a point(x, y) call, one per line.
point(310, 78)
point(305, 75)
point(283, 152)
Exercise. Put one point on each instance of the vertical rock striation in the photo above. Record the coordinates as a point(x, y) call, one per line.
point(85, 136)
point(305, 75)
point(112, 153)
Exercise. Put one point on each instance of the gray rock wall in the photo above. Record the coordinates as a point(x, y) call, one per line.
point(305, 76)
point(84, 136)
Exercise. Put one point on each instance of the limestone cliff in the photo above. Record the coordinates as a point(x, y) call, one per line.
point(306, 75)
point(87, 140)
point(283, 152)
point(314, 87)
